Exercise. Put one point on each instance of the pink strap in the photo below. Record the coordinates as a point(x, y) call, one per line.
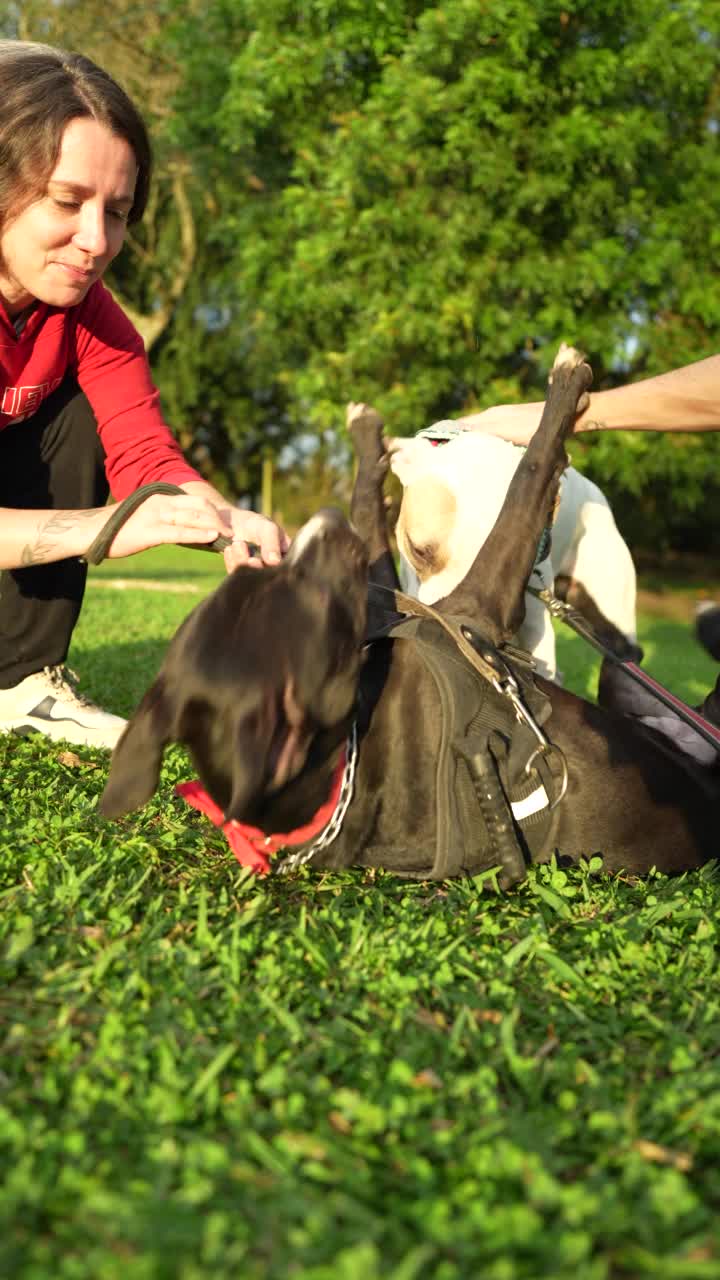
point(689, 713)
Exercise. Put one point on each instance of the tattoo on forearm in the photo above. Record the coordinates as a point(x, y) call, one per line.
point(49, 537)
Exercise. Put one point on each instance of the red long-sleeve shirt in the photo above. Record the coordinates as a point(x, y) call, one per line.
point(96, 343)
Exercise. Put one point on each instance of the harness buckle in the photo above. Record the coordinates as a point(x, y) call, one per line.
point(508, 686)
point(504, 682)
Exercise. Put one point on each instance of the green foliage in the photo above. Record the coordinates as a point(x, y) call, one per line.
point(9, 20)
point(338, 1077)
point(435, 195)
point(412, 203)
point(495, 179)
point(224, 422)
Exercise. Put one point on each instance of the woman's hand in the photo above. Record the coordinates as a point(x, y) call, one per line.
point(257, 541)
point(180, 518)
point(515, 422)
point(32, 537)
point(189, 518)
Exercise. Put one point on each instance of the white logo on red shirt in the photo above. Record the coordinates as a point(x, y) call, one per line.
point(21, 402)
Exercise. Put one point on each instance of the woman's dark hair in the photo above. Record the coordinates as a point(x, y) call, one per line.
point(41, 90)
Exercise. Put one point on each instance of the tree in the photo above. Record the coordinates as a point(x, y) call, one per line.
point(434, 195)
point(412, 203)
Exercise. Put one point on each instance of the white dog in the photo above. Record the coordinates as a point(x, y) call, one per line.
point(452, 495)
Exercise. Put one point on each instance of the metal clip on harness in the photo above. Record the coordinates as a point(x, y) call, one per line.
point(505, 683)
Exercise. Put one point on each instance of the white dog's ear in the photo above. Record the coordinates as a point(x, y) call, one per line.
point(410, 457)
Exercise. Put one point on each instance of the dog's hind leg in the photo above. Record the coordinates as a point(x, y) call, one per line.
point(493, 590)
point(576, 595)
point(367, 507)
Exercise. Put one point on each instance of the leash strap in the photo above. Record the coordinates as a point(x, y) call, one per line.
point(399, 603)
point(121, 513)
point(565, 612)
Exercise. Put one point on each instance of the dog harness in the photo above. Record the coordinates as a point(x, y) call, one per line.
point(497, 776)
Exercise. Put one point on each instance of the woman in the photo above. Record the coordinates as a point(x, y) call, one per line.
point(79, 415)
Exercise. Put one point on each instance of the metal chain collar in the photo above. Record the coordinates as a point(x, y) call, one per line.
point(332, 830)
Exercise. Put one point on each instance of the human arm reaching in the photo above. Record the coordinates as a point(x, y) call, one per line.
point(41, 537)
point(200, 514)
point(686, 399)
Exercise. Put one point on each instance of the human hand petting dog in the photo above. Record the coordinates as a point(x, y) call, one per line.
point(42, 537)
point(257, 541)
point(514, 422)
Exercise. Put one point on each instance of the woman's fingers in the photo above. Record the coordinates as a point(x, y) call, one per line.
point(163, 519)
point(187, 518)
point(193, 513)
point(256, 540)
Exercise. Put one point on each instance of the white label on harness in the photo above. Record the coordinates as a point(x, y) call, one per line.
point(533, 803)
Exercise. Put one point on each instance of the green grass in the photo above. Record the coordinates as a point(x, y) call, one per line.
point(168, 564)
point(339, 1077)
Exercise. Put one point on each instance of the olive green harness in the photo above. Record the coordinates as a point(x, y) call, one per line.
point(497, 776)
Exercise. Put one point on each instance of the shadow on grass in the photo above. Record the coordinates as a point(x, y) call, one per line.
point(165, 564)
point(116, 676)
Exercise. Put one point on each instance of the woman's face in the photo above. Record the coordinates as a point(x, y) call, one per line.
point(59, 245)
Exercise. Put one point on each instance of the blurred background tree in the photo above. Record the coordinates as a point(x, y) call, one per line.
point(413, 203)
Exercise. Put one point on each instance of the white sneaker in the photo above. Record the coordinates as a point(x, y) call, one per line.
point(48, 702)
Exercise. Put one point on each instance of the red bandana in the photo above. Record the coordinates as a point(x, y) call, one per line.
point(250, 845)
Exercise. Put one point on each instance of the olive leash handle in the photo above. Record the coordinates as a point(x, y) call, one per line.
point(122, 511)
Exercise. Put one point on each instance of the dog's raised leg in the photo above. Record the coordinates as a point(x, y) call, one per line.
point(493, 590)
point(367, 508)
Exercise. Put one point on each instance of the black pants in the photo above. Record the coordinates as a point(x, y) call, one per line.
point(52, 460)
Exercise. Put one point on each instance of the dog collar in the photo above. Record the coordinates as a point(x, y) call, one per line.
point(253, 848)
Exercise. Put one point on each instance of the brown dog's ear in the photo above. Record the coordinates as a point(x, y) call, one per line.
point(248, 769)
point(136, 760)
point(271, 743)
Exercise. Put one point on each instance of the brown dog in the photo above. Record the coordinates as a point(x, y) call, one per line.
point(267, 683)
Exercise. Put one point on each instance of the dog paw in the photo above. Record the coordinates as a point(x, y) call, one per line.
point(366, 427)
